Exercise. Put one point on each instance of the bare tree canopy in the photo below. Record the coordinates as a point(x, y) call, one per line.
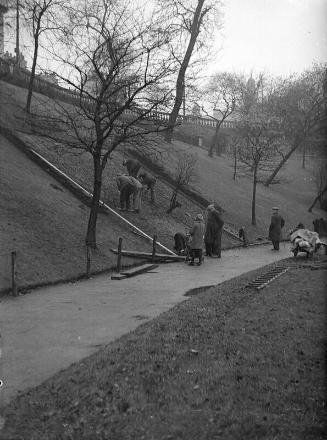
point(300, 104)
point(191, 23)
point(223, 93)
point(41, 16)
point(184, 174)
point(257, 139)
point(114, 57)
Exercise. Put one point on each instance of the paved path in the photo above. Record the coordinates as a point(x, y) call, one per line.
point(52, 327)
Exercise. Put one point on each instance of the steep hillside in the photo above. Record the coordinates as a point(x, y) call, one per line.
point(293, 194)
point(46, 224)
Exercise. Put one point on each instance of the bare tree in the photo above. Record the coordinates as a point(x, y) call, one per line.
point(257, 151)
point(114, 58)
point(257, 139)
point(300, 104)
point(41, 16)
point(188, 18)
point(224, 92)
point(185, 172)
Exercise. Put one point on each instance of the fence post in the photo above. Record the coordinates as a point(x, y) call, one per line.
point(88, 261)
point(120, 243)
point(13, 274)
point(153, 248)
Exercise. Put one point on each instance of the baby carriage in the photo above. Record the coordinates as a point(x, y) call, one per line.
point(188, 249)
point(306, 241)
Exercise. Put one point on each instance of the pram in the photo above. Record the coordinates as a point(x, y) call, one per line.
point(306, 241)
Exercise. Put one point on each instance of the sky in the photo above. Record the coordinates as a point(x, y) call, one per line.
point(279, 37)
point(274, 36)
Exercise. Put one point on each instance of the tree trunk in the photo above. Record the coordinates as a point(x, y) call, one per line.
point(214, 141)
point(318, 198)
point(254, 190)
point(303, 156)
point(177, 105)
point(32, 76)
point(97, 183)
point(280, 165)
point(235, 165)
point(180, 83)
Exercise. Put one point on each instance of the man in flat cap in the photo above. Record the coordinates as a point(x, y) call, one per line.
point(275, 229)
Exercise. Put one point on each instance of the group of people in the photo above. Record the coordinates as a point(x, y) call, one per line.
point(132, 185)
point(207, 233)
point(203, 233)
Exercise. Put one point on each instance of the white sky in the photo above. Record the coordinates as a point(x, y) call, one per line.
point(275, 36)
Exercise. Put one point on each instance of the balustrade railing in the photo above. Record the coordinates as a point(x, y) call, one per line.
point(11, 73)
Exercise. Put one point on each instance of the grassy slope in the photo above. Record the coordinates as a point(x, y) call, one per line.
point(215, 182)
point(293, 195)
point(45, 225)
point(257, 372)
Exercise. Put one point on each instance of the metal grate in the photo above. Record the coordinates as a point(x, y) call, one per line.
point(263, 280)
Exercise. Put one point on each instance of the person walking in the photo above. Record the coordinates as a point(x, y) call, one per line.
point(213, 232)
point(275, 229)
point(197, 233)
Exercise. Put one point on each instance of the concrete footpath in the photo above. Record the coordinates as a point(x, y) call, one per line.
point(48, 329)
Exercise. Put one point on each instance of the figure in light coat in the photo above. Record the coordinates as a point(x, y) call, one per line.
point(197, 234)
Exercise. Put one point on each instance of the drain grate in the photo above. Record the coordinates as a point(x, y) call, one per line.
point(264, 280)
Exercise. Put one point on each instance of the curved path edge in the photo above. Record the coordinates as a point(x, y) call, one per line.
point(50, 328)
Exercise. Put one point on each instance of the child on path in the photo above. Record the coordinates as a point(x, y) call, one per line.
point(197, 233)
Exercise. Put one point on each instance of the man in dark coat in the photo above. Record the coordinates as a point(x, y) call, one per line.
point(133, 166)
point(275, 229)
point(213, 232)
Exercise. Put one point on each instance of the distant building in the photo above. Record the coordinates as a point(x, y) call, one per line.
point(3, 10)
point(50, 77)
point(251, 96)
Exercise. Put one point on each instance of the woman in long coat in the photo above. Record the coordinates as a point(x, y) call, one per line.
point(213, 232)
point(275, 229)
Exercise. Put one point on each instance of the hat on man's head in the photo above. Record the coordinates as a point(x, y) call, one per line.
point(275, 208)
point(199, 217)
point(210, 207)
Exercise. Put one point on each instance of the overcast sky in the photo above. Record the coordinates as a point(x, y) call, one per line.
point(276, 36)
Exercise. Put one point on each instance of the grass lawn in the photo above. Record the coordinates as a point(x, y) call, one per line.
point(46, 225)
point(228, 363)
